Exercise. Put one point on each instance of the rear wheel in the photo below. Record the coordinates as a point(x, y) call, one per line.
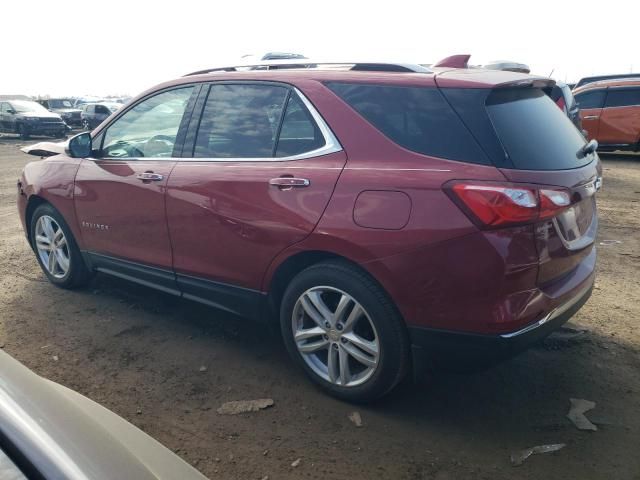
point(85, 125)
point(341, 328)
point(56, 249)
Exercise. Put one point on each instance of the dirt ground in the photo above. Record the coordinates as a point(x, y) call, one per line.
point(140, 353)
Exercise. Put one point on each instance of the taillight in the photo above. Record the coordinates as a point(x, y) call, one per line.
point(496, 205)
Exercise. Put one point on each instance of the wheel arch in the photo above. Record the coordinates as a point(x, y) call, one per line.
point(296, 263)
point(33, 202)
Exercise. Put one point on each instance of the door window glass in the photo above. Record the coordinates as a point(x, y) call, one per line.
point(592, 99)
point(299, 133)
point(240, 121)
point(149, 129)
point(623, 97)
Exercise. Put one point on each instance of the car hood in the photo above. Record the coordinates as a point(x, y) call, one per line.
point(46, 149)
point(39, 114)
point(63, 434)
point(66, 110)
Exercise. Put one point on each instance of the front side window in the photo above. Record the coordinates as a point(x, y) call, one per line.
point(623, 97)
point(149, 129)
point(240, 121)
point(592, 99)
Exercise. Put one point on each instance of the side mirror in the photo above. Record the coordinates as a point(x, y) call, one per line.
point(11, 111)
point(80, 146)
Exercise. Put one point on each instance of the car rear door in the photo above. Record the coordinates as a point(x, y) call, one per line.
point(263, 170)
point(120, 190)
point(590, 104)
point(620, 117)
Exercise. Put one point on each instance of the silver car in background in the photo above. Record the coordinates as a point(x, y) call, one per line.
point(50, 432)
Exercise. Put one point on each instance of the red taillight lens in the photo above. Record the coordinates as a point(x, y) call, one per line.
point(501, 205)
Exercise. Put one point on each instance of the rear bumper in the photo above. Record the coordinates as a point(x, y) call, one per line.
point(461, 351)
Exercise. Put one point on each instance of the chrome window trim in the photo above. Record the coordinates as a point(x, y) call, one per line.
point(332, 145)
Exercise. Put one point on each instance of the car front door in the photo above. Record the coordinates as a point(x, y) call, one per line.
point(620, 118)
point(590, 104)
point(4, 106)
point(120, 191)
point(263, 168)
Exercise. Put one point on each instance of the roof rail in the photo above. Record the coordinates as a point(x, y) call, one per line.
point(307, 63)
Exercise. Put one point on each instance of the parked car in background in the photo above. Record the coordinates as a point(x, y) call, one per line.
point(382, 219)
point(563, 97)
point(26, 118)
point(48, 431)
point(610, 112)
point(93, 114)
point(63, 107)
point(616, 76)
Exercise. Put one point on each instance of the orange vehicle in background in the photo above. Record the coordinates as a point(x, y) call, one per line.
point(610, 112)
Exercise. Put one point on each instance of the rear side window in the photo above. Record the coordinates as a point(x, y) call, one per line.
point(592, 99)
point(417, 118)
point(623, 97)
point(240, 121)
point(535, 133)
point(299, 133)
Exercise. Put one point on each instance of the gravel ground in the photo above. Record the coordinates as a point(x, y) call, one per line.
point(141, 353)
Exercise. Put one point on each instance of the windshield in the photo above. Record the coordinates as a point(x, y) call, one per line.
point(23, 106)
point(60, 104)
point(8, 469)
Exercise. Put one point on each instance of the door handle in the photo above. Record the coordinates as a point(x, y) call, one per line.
point(149, 177)
point(289, 182)
point(590, 117)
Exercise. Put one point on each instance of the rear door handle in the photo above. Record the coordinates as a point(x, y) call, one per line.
point(590, 117)
point(149, 177)
point(288, 182)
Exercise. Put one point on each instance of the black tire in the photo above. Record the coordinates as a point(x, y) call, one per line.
point(394, 346)
point(23, 132)
point(77, 274)
point(86, 125)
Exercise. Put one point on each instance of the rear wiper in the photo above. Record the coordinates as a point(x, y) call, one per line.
point(588, 148)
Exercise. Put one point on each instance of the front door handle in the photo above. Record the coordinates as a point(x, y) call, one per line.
point(590, 117)
point(149, 177)
point(289, 182)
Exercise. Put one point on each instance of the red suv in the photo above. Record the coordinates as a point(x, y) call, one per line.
point(386, 214)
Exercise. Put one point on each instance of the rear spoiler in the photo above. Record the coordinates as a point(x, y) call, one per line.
point(454, 61)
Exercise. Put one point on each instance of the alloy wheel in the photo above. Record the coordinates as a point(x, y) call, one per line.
point(52, 246)
point(335, 336)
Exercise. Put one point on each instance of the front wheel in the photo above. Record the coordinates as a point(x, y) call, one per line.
point(22, 131)
point(341, 328)
point(56, 249)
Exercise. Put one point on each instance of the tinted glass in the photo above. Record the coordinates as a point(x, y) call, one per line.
point(535, 133)
point(299, 133)
point(623, 97)
point(240, 121)
point(417, 118)
point(149, 129)
point(593, 99)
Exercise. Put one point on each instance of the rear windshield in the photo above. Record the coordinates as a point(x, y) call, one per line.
point(535, 133)
point(417, 118)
